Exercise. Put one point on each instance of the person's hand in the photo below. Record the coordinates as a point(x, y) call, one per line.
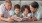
point(34, 19)
point(29, 19)
point(19, 19)
point(12, 18)
point(9, 19)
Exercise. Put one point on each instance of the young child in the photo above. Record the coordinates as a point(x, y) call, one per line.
point(26, 12)
point(16, 13)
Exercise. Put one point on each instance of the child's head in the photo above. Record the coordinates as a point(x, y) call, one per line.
point(25, 9)
point(17, 8)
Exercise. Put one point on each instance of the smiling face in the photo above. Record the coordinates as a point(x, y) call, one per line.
point(32, 9)
point(8, 6)
point(25, 11)
point(17, 11)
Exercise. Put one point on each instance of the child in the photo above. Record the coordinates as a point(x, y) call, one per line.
point(26, 12)
point(16, 13)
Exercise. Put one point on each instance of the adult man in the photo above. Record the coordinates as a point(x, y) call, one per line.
point(5, 10)
point(36, 14)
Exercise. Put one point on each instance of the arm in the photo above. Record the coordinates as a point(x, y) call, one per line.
point(2, 17)
point(11, 13)
point(1, 14)
point(11, 17)
point(37, 17)
point(34, 19)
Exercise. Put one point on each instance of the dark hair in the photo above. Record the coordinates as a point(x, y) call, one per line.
point(34, 4)
point(25, 6)
point(17, 6)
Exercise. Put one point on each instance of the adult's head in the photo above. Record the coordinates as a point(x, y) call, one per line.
point(34, 6)
point(8, 4)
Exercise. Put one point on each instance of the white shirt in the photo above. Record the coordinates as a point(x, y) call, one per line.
point(4, 11)
point(28, 15)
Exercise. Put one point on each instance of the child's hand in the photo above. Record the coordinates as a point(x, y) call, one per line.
point(19, 19)
point(29, 19)
point(12, 18)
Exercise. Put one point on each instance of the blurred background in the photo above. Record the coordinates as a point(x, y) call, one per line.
point(23, 2)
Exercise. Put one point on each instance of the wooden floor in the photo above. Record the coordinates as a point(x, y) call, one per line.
point(23, 22)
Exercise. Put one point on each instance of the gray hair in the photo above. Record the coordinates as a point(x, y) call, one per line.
point(8, 1)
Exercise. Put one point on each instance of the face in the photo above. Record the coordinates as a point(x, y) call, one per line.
point(25, 11)
point(17, 11)
point(32, 9)
point(8, 6)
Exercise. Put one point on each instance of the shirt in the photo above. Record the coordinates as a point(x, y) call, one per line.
point(14, 14)
point(38, 13)
point(28, 15)
point(4, 11)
